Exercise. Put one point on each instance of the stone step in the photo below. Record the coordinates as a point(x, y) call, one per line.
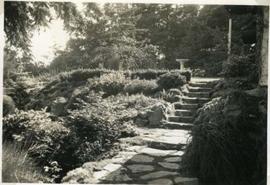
point(183, 112)
point(199, 89)
point(175, 125)
point(197, 94)
point(192, 107)
point(181, 119)
point(194, 100)
point(200, 84)
point(165, 145)
point(186, 181)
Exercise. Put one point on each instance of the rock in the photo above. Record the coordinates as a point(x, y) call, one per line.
point(137, 168)
point(186, 181)
point(161, 181)
point(258, 92)
point(117, 176)
point(178, 153)
point(184, 88)
point(8, 105)
point(78, 175)
point(173, 159)
point(58, 106)
point(175, 92)
point(158, 174)
point(100, 174)
point(156, 114)
point(142, 159)
point(112, 167)
point(171, 166)
point(158, 153)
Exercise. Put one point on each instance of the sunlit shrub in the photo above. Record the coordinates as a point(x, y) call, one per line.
point(110, 84)
point(171, 80)
point(147, 74)
point(146, 87)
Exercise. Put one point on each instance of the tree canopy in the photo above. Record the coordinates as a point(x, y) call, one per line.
point(132, 36)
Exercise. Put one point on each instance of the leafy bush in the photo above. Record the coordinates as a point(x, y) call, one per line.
point(110, 84)
point(229, 140)
point(147, 74)
point(37, 131)
point(18, 167)
point(171, 95)
point(81, 74)
point(18, 92)
point(171, 80)
point(240, 66)
point(146, 87)
point(91, 134)
point(186, 73)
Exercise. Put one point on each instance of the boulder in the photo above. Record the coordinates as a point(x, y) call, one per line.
point(58, 106)
point(157, 114)
point(8, 105)
point(174, 92)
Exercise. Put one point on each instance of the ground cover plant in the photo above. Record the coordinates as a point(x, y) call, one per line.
point(18, 166)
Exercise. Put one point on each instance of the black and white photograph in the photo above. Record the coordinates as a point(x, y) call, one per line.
point(134, 93)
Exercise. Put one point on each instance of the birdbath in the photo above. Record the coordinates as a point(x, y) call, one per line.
point(182, 63)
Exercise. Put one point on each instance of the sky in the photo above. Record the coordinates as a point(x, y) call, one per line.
point(46, 40)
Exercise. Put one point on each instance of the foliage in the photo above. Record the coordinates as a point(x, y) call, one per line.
point(18, 167)
point(146, 74)
point(147, 87)
point(21, 18)
point(240, 66)
point(17, 90)
point(36, 131)
point(171, 80)
point(229, 133)
point(171, 95)
point(109, 84)
point(80, 75)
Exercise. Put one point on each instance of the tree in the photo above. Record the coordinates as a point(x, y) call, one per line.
point(21, 18)
point(108, 38)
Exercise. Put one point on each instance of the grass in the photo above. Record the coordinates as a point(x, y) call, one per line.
point(17, 166)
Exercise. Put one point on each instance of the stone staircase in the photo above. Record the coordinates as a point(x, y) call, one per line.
point(197, 95)
point(156, 153)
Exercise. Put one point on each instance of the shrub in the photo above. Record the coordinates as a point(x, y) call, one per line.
point(81, 74)
point(37, 131)
point(110, 84)
point(18, 92)
point(91, 135)
point(228, 140)
point(186, 73)
point(171, 95)
point(148, 74)
point(18, 167)
point(146, 87)
point(239, 66)
point(171, 80)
